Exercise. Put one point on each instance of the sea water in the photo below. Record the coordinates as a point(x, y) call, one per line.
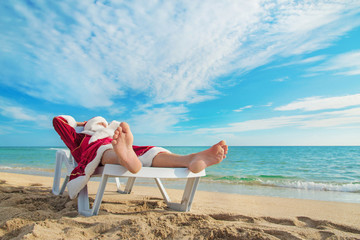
point(320, 173)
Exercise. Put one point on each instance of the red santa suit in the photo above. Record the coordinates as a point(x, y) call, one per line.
point(88, 146)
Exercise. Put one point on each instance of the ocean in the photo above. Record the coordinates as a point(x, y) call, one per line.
point(318, 173)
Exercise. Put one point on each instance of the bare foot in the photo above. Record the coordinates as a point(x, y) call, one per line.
point(122, 145)
point(211, 156)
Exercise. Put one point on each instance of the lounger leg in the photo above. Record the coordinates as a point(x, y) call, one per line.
point(188, 196)
point(66, 180)
point(128, 187)
point(118, 184)
point(99, 195)
point(60, 158)
point(83, 202)
point(189, 193)
point(162, 190)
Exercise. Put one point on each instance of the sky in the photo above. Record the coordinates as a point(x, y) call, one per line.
point(183, 73)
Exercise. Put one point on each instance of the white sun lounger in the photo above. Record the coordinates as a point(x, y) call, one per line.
point(112, 170)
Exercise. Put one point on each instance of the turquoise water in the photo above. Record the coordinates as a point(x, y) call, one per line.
point(325, 173)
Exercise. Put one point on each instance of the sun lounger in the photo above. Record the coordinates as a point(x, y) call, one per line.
point(112, 170)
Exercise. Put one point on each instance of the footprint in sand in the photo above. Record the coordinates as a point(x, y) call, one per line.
point(36, 185)
point(325, 224)
point(282, 234)
point(230, 217)
point(280, 221)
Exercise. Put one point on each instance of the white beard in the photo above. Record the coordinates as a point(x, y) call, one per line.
point(99, 132)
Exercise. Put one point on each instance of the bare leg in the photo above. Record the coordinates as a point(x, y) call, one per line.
point(122, 152)
point(196, 162)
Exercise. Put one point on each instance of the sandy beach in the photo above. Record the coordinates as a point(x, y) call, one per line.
point(30, 211)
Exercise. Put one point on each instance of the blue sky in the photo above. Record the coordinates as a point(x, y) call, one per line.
point(183, 72)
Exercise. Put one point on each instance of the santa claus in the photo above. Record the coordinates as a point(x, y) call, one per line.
point(101, 143)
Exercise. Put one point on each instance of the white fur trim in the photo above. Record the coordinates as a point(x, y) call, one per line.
point(70, 120)
point(114, 125)
point(147, 158)
point(74, 186)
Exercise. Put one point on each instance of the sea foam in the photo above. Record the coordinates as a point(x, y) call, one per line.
point(318, 186)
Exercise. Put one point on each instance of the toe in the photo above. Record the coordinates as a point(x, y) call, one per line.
point(118, 130)
point(225, 147)
point(116, 134)
point(125, 127)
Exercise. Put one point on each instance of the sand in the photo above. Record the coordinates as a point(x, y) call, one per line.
point(29, 210)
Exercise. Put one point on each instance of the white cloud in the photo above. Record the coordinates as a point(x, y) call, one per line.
point(16, 113)
point(302, 61)
point(349, 117)
point(6, 130)
point(269, 104)
point(321, 103)
point(91, 53)
point(312, 59)
point(158, 120)
point(343, 64)
point(12, 110)
point(281, 79)
point(116, 110)
point(242, 108)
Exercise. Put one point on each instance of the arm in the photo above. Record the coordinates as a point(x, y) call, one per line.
point(81, 124)
point(65, 127)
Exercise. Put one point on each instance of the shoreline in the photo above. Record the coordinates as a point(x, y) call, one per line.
point(221, 214)
point(210, 185)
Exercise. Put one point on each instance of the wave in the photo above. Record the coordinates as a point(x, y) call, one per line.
point(6, 167)
point(287, 182)
point(55, 149)
point(25, 169)
point(318, 186)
